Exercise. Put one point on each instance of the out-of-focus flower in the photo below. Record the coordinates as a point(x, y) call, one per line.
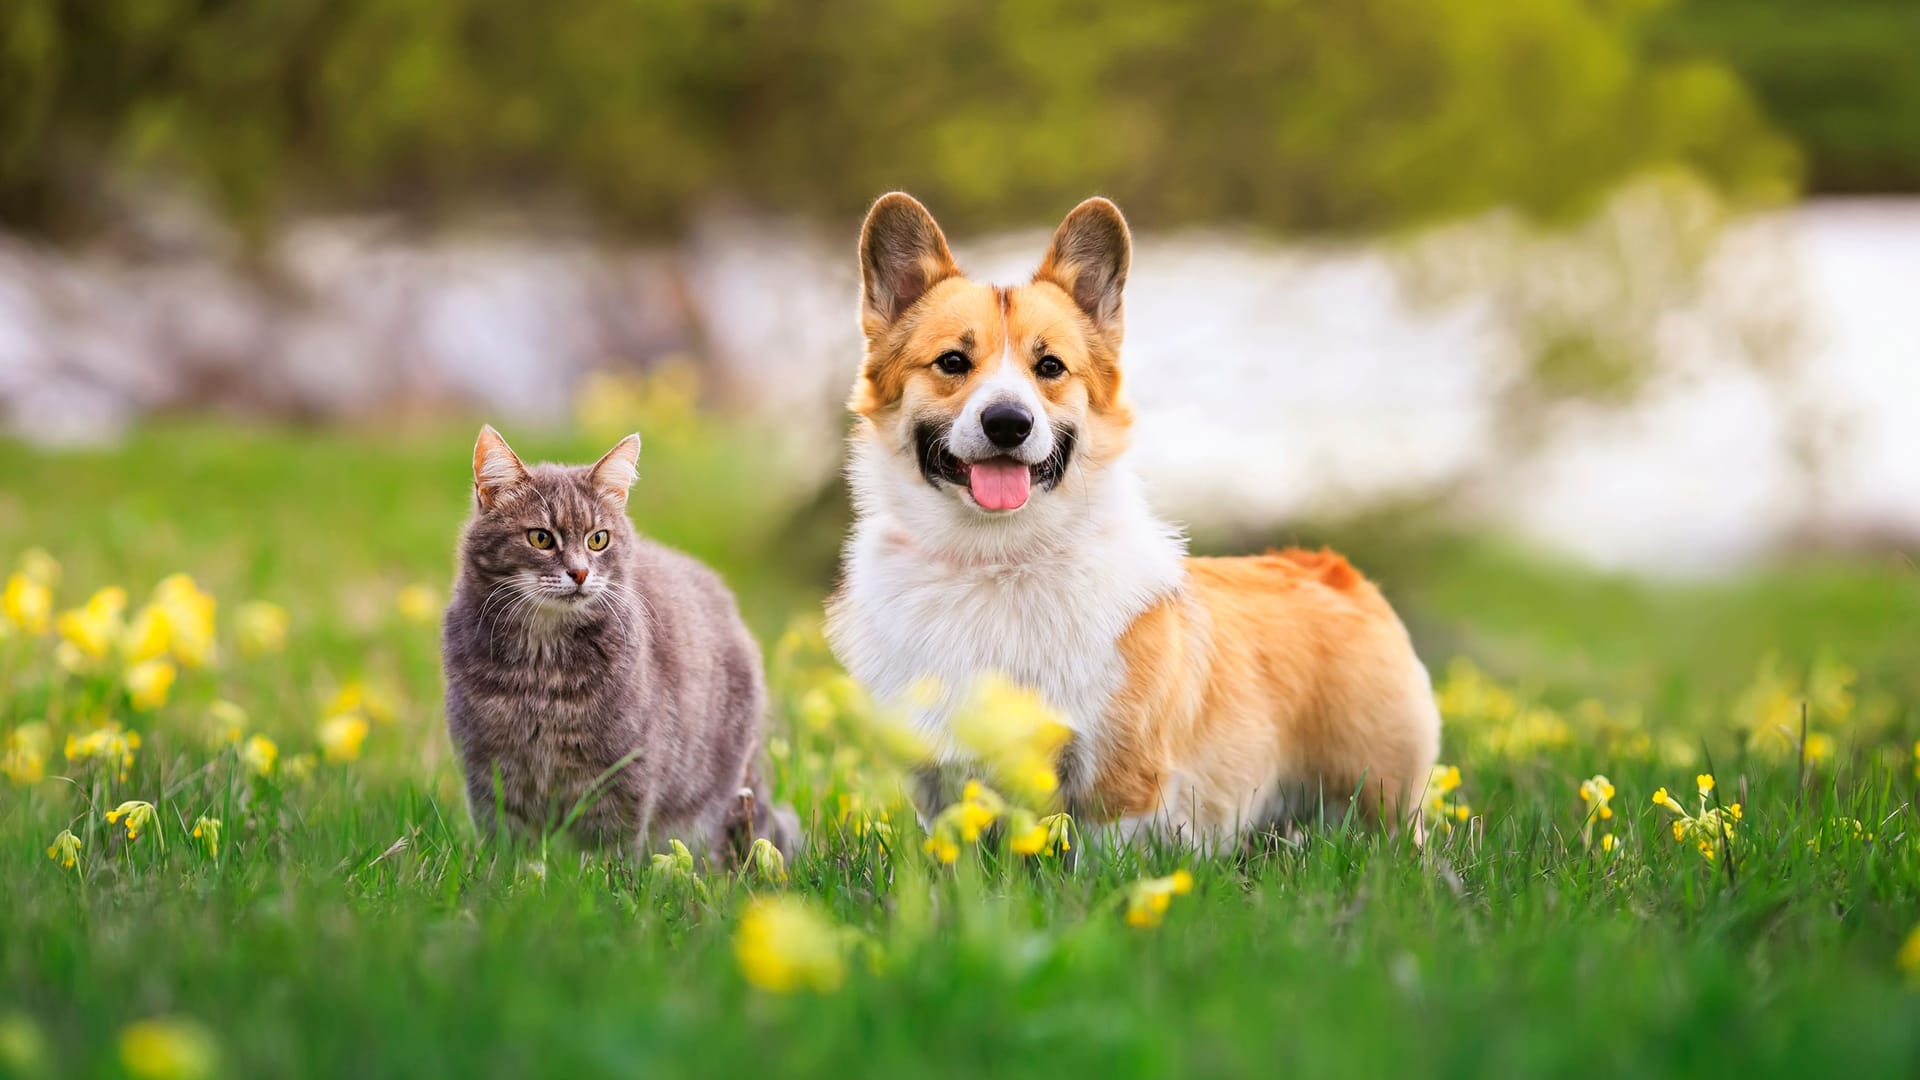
point(189, 613)
point(259, 754)
point(226, 723)
point(766, 861)
point(1597, 792)
point(1017, 735)
point(1149, 899)
point(40, 567)
point(418, 604)
point(1908, 958)
point(28, 604)
point(261, 628)
point(23, 1047)
point(149, 682)
point(1818, 747)
point(108, 744)
point(207, 831)
point(1916, 761)
point(675, 866)
point(93, 629)
point(168, 1049)
point(136, 812)
point(65, 849)
point(1608, 843)
point(1705, 783)
point(1436, 807)
point(147, 636)
point(297, 769)
point(783, 945)
point(1031, 836)
point(356, 697)
point(963, 822)
point(341, 736)
point(24, 760)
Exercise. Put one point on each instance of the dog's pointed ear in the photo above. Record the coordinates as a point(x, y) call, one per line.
point(902, 255)
point(616, 471)
point(495, 467)
point(1089, 257)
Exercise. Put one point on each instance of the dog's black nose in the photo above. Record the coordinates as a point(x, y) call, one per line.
point(1007, 424)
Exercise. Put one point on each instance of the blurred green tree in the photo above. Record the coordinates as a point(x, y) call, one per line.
point(1300, 116)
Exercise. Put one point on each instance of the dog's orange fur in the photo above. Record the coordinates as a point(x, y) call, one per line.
point(1289, 665)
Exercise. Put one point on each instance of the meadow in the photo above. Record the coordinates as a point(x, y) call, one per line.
point(1674, 833)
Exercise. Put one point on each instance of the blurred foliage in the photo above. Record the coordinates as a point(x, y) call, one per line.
point(1839, 77)
point(1300, 116)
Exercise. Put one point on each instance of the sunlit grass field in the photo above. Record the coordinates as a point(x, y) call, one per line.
point(346, 921)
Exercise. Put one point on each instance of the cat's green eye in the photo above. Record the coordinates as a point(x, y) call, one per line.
point(540, 538)
point(598, 540)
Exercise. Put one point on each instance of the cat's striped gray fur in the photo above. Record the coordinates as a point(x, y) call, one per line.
point(576, 649)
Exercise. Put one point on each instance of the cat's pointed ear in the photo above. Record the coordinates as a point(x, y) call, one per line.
point(495, 467)
point(903, 253)
point(614, 473)
point(1089, 258)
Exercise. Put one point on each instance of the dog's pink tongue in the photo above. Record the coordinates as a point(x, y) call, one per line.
point(999, 484)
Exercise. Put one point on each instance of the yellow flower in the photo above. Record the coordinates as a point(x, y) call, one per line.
point(942, 849)
point(25, 759)
point(226, 722)
point(1734, 809)
point(341, 736)
point(149, 635)
point(261, 628)
point(28, 604)
point(1908, 959)
point(189, 614)
point(1598, 792)
point(784, 945)
point(1661, 798)
point(1916, 761)
point(40, 567)
point(23, 1047)
point(354, 697)
point(1016, 734)
point(207, 831)
point(168, 1049)
point(107, 744)
point(1444, 779)
point(93, 628)
point(258, 754)
point(148, 683)
point(418, 604)
point(1705, 781)
point(1607, 843)
point(1818, 747)
point(766, 861)
point(65, 849)
point(1149, 899)
point(136, 812)
point(297, 769)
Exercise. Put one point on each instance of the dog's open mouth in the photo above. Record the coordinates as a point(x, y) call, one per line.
point(996, 483)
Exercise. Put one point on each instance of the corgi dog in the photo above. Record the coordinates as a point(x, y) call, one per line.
point(999, 531)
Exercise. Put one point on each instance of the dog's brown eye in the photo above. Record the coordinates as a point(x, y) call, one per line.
point(540, 538)
point(954, 363)
point(1049, 367)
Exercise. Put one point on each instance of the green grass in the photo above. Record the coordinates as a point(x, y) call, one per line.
point(316, 944)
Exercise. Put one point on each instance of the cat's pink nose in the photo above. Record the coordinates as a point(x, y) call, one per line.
point(579, 576)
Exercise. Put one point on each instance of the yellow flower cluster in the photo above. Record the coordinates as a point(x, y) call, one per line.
point(168, 1049)
point(341, 737)
point(1597, 793)
point(207, 831)
point(964, 821)
point(65, 849)
point(1016, 735)
point(1436, 807)
point(783, 945)
point(23, 757)
point(1708, 829)
point(136, 812)
point(261, 628)
point(1149, 899)
point(109, 744)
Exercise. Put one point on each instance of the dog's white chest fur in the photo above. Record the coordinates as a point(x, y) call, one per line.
point(1049, 617)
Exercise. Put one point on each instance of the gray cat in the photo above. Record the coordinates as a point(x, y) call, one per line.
point(586, 665)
